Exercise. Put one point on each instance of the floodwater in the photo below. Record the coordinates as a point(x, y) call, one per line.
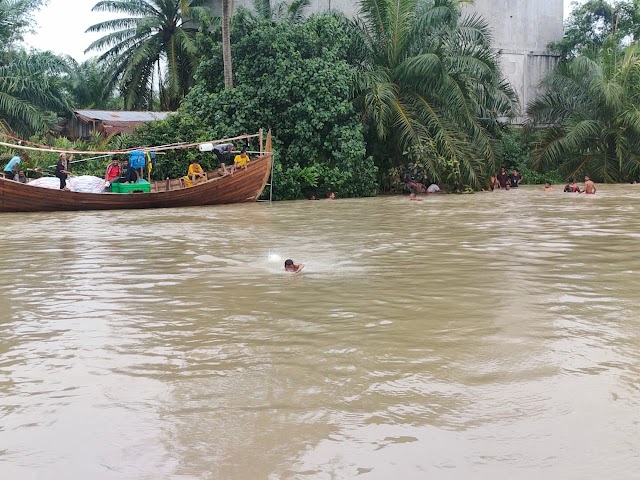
point(491, 336)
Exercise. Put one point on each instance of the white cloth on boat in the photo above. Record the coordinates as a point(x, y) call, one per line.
point(45, 182)
point(87, 184)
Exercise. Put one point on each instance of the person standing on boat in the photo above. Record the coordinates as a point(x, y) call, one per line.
point(241, 160)
point(223, 152)
point(113, 172)
point(62, 169)
point(12, 168)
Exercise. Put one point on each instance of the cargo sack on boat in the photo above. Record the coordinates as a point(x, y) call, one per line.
point(87, 184)
point(136, 159)
point(46, 182)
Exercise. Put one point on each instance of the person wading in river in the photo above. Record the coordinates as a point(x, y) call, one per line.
point(589, 186)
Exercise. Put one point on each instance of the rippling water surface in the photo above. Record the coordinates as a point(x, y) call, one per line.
point(479, 336)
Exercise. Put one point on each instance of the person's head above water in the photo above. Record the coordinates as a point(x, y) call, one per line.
point(289, 266)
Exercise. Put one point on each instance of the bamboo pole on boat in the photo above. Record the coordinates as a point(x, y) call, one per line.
point(261, 143)
point(160, 148)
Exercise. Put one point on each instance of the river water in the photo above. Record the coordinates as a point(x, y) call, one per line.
point(494, 335)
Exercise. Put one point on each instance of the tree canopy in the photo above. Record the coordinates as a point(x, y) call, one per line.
point(32, 92)
point(428, 83)
point(591, 115)
point(152, 46)
point(592, 22)
point(294, 79)
point(15, 20)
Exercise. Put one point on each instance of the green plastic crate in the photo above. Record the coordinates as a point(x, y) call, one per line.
point(141, 186)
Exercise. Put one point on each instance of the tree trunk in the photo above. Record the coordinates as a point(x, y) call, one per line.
point(227, 13)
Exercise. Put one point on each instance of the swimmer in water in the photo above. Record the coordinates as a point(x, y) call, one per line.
point(289, 266)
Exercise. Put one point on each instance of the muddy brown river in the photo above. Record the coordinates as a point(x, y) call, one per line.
point(488, 336)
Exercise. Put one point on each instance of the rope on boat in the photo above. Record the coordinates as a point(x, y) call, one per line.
point(160, 148)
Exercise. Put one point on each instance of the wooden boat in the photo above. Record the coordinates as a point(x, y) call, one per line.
point(244, 185)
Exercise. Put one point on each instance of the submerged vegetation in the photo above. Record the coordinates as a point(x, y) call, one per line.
point(411, 87)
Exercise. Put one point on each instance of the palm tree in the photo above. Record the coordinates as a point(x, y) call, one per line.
point(227, 13)
point(90, 85)
point(591, 112)
point(292, 12)
point(154, 45)
point(15, 18)
point(32, 92)
point(428, 83)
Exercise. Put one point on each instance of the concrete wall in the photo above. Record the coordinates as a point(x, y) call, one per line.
point(522, 29)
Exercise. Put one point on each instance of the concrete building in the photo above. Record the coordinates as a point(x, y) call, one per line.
point(522, 29)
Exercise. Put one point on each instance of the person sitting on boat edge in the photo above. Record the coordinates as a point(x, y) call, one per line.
point(289, 266)
point(113, 172)
point(241, 160)
point(195, 174)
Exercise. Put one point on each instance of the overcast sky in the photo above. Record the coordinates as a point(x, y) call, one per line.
point(60, 27)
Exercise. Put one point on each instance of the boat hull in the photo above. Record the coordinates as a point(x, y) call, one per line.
point(243, 186)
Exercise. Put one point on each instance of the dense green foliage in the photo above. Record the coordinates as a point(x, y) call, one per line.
point(292, 78)
point(592, 106)
point(15, 20)
point(152, 45)
point(32, 92)
point(518, 146)
point(429, 88)
point(591, 22)
point(89, 86)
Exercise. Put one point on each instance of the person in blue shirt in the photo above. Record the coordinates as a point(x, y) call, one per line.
point(12, 168)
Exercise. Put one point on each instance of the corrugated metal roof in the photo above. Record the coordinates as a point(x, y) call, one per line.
point(122, 116)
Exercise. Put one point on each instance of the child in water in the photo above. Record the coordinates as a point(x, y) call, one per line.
point(289, 266)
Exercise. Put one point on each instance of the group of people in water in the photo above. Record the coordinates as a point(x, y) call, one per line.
point(573, 187)
point(505, 181)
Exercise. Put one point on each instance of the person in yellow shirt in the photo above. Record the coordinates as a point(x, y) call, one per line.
point(195, 174)
point(241, 160)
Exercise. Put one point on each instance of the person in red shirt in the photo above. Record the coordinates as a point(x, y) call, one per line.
point(113, 172)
